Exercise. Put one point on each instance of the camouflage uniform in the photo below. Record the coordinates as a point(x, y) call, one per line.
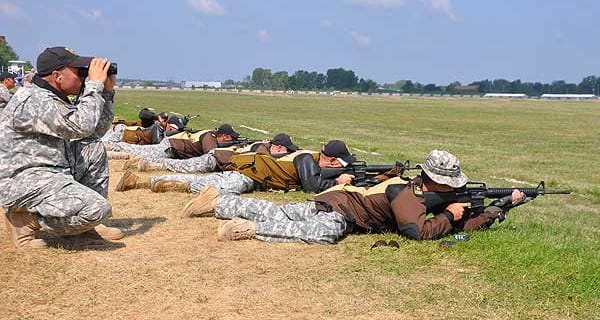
point(228, 182)
point(53, 161)
point(149, 152)
point(4, 96)
point(114, 135)
point(202, 164)
point(296, 222)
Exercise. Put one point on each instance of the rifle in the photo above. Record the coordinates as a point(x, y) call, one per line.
point(476, 192)
point(237, 142)
point(364, 175)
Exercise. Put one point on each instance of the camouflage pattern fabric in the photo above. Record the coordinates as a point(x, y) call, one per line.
point(295, 222)
point(114, 135)
point(42, 140)
point(149, 152)
point(202, 164)
point(4, 96)
point(228, 182)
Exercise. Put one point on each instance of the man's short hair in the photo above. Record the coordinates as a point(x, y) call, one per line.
point(5, 75)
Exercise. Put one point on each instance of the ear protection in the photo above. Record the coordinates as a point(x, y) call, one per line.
point(58, 78)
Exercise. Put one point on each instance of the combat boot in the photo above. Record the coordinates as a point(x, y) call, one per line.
point(236, 229)
point(131, 163)
point(108, 233)
point(203, 205)
point(170, 186)
point(117, 155)
point(22, 226)
point(144, 165)
point(129, 181)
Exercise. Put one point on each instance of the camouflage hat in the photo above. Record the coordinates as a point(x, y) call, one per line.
point(444, 168)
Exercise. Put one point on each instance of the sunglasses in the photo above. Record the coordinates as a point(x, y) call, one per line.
point(383, 243)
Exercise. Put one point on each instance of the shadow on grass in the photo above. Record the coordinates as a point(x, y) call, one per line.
point(92, 241)
point(135, 226)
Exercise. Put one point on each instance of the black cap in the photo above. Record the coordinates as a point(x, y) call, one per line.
point(285, 140)
point(228, 129)
point(5, 75)
point(57, 58)
point(163, 115)
point(338, 149)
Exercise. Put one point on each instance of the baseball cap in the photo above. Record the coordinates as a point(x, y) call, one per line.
point(228, 129)
point(285, 140)
point(56, 58)
point(444, 168)
point(339, 150)
point(5, 75)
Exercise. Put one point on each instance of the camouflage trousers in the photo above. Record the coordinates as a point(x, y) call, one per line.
point(68, 204)
point(295, 222)
point(115, 134)
point(202, 164)
point(91, 165)
point(228, 182)
point(63, 205)
point(149, 152)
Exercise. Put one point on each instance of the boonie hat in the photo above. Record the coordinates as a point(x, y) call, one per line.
point(228, 129)
point(444, 168)
point(5, 75)
point(339, 150)
point(56, 58)
point(285, 140)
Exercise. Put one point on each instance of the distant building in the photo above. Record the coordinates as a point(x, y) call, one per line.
point(14, 66)
point(505, 95)
point(201, 84)
point(568, 96)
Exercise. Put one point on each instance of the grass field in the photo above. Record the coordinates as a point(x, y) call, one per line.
point(543, 262)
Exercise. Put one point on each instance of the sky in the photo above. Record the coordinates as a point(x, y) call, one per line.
point(429, 41)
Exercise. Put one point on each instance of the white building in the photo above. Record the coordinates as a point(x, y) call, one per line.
point(201, 84)
point(569, 96)
point(14, 66)
point(505, 95)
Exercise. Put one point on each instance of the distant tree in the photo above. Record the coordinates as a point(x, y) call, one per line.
point(408, 87)
point(229, 83)
point(431, 87)
point(589, 85)
point(280, 80)
point(340, 79)
point(6, 54)
point(367, 85)
point(261, 78)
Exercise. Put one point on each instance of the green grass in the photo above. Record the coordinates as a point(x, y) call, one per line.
point(543, 262)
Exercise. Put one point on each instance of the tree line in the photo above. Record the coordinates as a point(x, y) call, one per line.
point(340, 79)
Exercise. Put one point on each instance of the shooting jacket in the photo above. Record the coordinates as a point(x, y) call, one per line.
point(393, 205)
point(185, 148)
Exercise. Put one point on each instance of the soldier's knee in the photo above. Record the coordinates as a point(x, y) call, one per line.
point(100, 211)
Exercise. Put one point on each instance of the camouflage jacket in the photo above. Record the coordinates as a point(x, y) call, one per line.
point(4, 96)
point(37, 128)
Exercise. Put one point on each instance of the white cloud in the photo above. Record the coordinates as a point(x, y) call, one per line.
point(326, 23)
point(207, 7)
point(360, 40)
point(263, 35)
point(379, 3)
point(442, 5)
point(10, 9)
point(91, 15)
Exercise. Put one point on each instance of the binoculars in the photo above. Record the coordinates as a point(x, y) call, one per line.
point(83, 72)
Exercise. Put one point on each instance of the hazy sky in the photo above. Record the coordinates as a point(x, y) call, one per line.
point(430, 41)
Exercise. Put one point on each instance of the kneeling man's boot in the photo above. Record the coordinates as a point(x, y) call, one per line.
point(22, 226)
point(108, 233)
